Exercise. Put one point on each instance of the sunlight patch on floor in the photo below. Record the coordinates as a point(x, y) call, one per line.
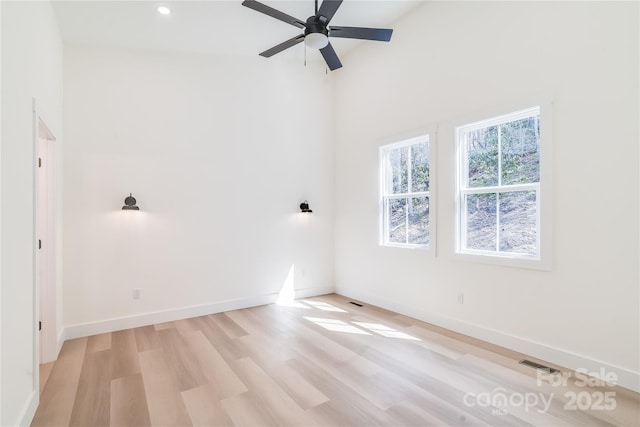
point(324, 306)
point(386, 331)
point(294, 304)
point(336, 325)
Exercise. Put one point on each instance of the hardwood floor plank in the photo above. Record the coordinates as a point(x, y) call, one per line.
point(220, 378)
point(272, 398)
point(129, 402)
point(99, 342)
point(245, 410)
point(301, 390)
point(227, 323)
point(334, 413)
point(146, 338)
point(45, 371)
point(383, 389)
point(93, 399)
point(227, 348)
point(211, 330)
point(204, 407)
point(451, 415)
point(166, 407)
point(59, 394)
point(325, 347)
point(253, 346)
point(269, 321)
point(410, 415)
point(627, 410)
point(182, 364)
point(345, 406)
point(186, 326)
point(124, 360)
point(165, 325)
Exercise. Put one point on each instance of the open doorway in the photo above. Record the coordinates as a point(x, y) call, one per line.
point(45, 248)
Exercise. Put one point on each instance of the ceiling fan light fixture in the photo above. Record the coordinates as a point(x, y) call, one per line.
point(316, 40)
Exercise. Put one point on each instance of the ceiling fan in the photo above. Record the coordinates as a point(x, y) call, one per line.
point(317, 31)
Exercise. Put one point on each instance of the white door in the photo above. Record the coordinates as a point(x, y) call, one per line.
point(46, 245)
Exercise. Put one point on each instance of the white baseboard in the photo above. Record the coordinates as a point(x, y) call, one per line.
point(626, 378)
point(314, 292)
point(61, 339)
point(135, 321)
point(29, 410)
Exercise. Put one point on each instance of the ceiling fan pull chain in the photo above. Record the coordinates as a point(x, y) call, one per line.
point(305, 54)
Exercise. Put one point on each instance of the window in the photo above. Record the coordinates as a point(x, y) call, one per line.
point(499, 186)
point(405, 189)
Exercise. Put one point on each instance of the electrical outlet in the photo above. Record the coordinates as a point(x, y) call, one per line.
point(460, 298)
point(136, 293)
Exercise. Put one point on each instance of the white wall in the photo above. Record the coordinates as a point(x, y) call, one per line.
point(31, 67)
point(0, 209)
point(219, 152)
point(450, 59)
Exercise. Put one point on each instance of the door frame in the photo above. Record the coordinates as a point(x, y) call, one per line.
point(48, 335)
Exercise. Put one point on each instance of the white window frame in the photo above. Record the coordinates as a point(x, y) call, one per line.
point(542, 259)
point(384, 168)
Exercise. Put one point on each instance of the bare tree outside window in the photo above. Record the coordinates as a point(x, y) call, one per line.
point(500, 185)
point(405, 193)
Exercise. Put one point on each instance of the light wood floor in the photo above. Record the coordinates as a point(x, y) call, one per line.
point(317, 362)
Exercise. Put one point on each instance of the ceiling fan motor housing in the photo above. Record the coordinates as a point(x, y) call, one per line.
point(315, 25)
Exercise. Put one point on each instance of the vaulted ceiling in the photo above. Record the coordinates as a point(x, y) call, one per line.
point(213, 26)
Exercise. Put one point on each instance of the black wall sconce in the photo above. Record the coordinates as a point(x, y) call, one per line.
point(304, 207)
point(130, 204)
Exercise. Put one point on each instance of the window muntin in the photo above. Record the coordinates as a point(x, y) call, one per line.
point(405, 173)
point(499, 186)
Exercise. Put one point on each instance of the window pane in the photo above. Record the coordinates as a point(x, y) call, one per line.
point(398, 158)
point(481, 221)
point(482, 153)
point(420, 167)
point(418, 228)
point(397, 221)
point(518, 222)
point(521, 151)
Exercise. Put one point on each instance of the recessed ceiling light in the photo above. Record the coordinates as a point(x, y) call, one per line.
point(163, 10)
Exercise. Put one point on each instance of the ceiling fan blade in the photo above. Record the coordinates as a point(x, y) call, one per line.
point(267, 10)
point(328, 8)
point(282, 46)
point(331, 57)
point(378, 34)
